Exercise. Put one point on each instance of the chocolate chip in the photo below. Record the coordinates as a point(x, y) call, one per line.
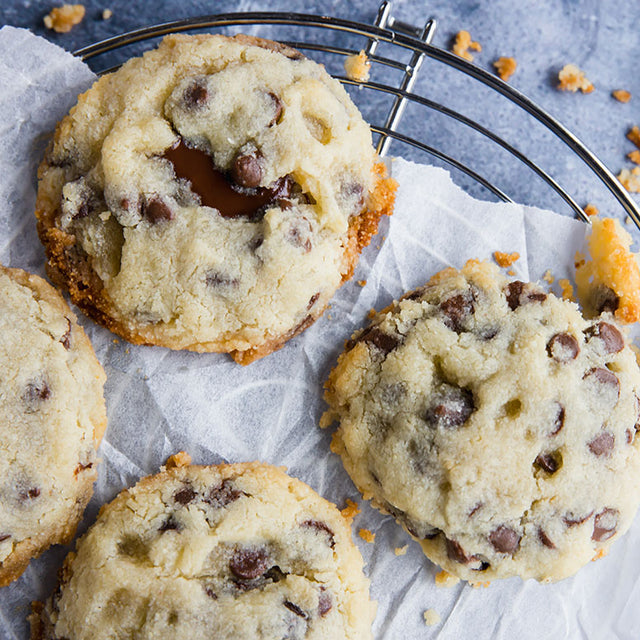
point(156, 210)
point(603, 377)
point(549, 462)
point(572, 520)
point(563, 347)
point(4, 536)
point(456, 552)
point(419, 530)
point(65, 339)
point(275, 574)
point(545, 540)
point(629, 436)
point(35, 393)
point(195, 95)
point(451, 408)
point(295, 609)
point(611, 338)
point(223, 494)
point(475, 509)
point(170, 524)
point(325, 602)
point(211, 593)
point(603, 444)
point(604, 299)
point(321, 527)
point(214, 189)
point(299, 234)
point(279, 107)
point(456, 310)
point(375, 336)
point(246, 171)
point(504, 539)
point(185, 495)
point(558, 423)
point(605, 525)
point(519, 293)
point(249, 564)
point(487, 333)
point(215, 279)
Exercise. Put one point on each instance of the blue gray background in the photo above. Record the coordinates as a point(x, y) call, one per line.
point(600, 37)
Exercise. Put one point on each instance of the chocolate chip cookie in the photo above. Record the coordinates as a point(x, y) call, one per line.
point(52, 415)
point(495, 423)
point(229, 551)
point(211, 195)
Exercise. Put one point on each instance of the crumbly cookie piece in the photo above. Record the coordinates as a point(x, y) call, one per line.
point(229, 551)
point(495, 423)
point(610, 280)
point(52, 415)
point(211, 195)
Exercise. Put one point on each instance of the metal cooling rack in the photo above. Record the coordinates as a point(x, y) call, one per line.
point(400, 50)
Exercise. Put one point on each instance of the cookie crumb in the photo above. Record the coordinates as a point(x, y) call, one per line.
point(628, 221)
point(511, 272)
point(566, 289)
point(480, 585)
point(634, 156)
point(634, 135)
point(357, 67)
point(366, 535)
point(431, 617)
point(613, 268)
point(180, 459)
point(548, 277)
point(591, 209)
point(505, 67)
point(600, 553)
point(571, 78)
point(621, 95)
point(362, 283)
point(350, 510)
point(105, 215)
point(446, 580)
point(462, 45)
point(63, 19)
point(630, 179)
point(401, 551)
point(106, 14)
point(505, 259)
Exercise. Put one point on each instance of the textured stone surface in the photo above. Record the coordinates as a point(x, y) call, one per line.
point(543, 36)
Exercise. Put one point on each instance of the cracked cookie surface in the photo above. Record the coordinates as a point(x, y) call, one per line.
point(228, 551)
point(211, 195)
point(495, 423)
point(52, 415)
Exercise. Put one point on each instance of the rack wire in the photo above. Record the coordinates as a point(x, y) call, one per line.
point(333, 38)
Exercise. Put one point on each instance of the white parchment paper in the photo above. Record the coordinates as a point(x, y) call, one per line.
point(160, 401)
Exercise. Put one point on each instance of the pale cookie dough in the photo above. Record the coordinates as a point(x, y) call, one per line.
point(226, 552)
point(211, 195)
point(495, 423)
point(52, 415)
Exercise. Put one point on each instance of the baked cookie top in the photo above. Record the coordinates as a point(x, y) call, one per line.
point(229, 551)
point(52, 415)
point(211, 195)
point(495, 423)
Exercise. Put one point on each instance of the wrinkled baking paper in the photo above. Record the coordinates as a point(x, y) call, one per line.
point(160, 401)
